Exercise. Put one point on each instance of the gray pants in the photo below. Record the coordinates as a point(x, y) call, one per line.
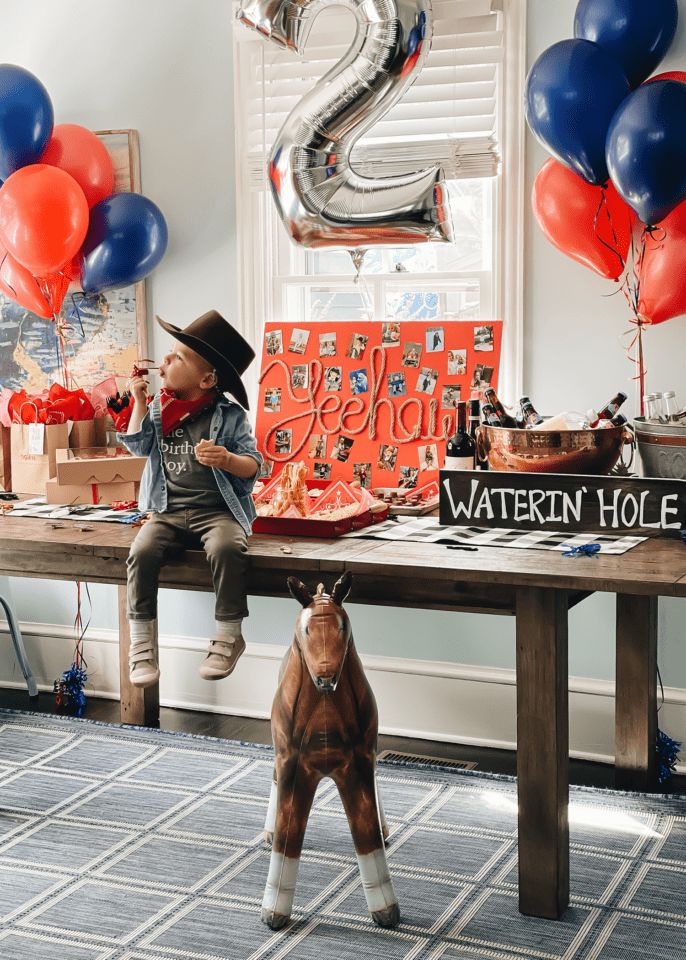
point(168, 534)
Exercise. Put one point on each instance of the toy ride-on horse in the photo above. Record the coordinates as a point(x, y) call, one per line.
point(325, 724)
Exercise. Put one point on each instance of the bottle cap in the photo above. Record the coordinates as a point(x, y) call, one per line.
point(669, 394)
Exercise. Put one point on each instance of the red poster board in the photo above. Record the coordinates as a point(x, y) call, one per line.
point(374, 401)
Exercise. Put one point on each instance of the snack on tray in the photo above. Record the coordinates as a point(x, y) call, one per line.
point(290, 491)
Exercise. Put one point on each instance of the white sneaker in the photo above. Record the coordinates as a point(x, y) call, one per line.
point(143, 668)
point(222, 657)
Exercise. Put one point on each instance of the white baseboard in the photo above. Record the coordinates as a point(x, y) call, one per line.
point(421, 699)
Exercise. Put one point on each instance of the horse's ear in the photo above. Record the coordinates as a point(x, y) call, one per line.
point(342, 588)
point(299, 591)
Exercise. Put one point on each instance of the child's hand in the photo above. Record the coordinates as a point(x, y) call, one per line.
point(138, 387)
point(210, 455)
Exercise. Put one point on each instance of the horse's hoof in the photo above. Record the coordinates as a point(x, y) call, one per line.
point(274, 920)
point(268, 838)
point(390, 917)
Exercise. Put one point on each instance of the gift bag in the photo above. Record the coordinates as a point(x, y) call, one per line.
point(34, 447)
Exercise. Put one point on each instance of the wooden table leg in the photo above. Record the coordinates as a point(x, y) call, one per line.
point(138, 706)
point(636, 693)
point(542, 751)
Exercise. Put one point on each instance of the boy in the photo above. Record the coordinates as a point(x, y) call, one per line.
point(202, 464)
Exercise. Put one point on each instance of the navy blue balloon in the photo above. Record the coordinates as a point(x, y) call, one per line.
point(572, 92)
point(26, 119)
point(646, 149)
point(126, 239)
point(637, 33)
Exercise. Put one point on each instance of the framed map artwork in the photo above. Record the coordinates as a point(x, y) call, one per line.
point(107, 332)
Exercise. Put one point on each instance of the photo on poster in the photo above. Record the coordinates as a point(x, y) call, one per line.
point(299, 340)
point(363, 473)
point(435, 340)
point(397, 386)
point(388, 454)
point(299, 376)
point(428, 457)
point(327, 344)
point(451, 394)
point(483, 338)
point(341, 448)
point(390, 334)
point(412, 354)
point(283, 441)
point(333, 378)
point(273, 342)
point(272, 400)
point(322, 471)
point(317, 447)
point(457, 363)
point(482, 377)
point(427, 380)
point(358, 381)
point(408, 477)
point(357, 345)
point(266, 469)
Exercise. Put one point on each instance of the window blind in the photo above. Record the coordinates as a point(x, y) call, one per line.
point(447, 117)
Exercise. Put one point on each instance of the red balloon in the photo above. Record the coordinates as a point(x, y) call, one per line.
point(43, 217)
point(662, 292)
point(669, 75)
point(17, 283)
point(572, 215)
point(79, 153)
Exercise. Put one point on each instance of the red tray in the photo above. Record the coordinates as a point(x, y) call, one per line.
point(326, 529)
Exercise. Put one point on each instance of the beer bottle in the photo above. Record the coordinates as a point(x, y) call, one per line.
point(617, 421)
point(460, 449)
point(490, 396)
point(530, 415)
point(490, 416)
point(608, 411)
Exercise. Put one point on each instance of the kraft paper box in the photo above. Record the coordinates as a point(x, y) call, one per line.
point(89, 465)
point(90, 433)
point(90, 492)
point(34, 454)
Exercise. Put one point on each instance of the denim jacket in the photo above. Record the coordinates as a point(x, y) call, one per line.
point(228, 427)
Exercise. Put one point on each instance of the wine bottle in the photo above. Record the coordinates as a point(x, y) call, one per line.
point(460, 449)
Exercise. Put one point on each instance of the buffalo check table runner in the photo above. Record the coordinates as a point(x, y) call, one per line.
point(429, 530)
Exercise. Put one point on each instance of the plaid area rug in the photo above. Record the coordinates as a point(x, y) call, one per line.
point(128, 844)
point(429, 530)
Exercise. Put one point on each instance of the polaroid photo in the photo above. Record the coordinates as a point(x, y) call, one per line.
point(357, 345)
point(388, 454)
point(483, 338)
point(363, 473)
point(299, 376)
point(358, 381)
point(427, 380)
point(333, 378)
point(428, 457)
point(299, 340)
point(274, 342)
point(390, 334)
point(283, 441)
point(451, 394)
point(322, 471)
point(266, 469)
point(327, 344)
point(457, 363)
point(412, 354)
point(272, 400)
point(435, 340)
point(482, 377)
point(397, 387)
point(408, 477)
point(341, 448)
point(317, 447)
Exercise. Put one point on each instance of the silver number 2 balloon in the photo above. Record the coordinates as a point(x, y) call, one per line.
point(322, 201)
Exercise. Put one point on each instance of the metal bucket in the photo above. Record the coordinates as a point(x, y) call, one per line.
point(662, 448)
point(552, 451)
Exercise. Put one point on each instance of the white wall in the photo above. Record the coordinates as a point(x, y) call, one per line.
point(164, 67)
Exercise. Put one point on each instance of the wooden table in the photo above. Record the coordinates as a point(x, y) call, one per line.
point(536, 586)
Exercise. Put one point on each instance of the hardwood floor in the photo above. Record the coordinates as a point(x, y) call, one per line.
point(258, 731)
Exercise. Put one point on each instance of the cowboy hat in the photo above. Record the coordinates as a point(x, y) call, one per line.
point(216, 341)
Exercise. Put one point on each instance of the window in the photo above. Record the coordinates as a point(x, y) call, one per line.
point(463, 112)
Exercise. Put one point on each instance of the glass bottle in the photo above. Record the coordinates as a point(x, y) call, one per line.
point(608, 411)
point(460, 450)
point(670, 408)
point(530, 415)
point(490, 396)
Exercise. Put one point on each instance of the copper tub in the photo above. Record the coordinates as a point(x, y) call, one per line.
point(552, 451)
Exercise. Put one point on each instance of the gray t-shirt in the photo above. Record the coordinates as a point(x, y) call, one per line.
point(189, 484)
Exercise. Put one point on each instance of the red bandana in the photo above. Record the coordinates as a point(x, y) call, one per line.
point(176, 411)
